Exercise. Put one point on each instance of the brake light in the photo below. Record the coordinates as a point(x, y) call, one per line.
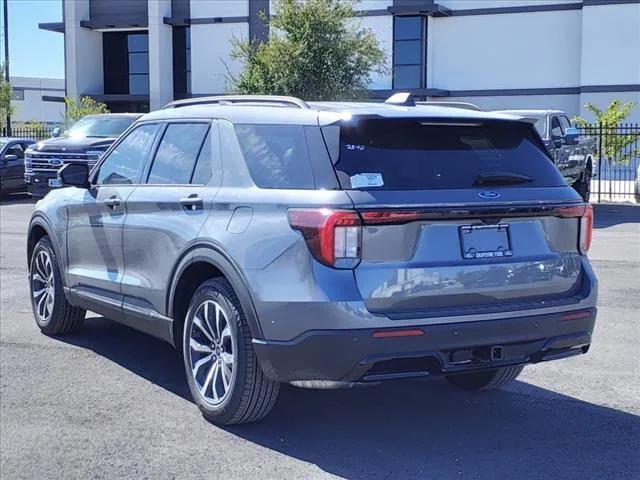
point(333, 236)
point(586, 229)
point(389, 217)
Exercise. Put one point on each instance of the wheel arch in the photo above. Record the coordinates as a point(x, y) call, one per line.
point(201, 262)
point(38, 228)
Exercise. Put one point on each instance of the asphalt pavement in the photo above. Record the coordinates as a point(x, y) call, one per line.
point(109, 402)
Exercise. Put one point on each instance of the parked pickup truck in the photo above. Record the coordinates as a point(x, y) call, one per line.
point(574, 155)
point(84, 142)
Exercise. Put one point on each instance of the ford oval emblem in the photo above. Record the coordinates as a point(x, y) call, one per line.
point(55, 162)
point(489, 194)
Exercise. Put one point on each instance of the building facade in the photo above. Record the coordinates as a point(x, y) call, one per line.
point(137, 55)
point(40, 99)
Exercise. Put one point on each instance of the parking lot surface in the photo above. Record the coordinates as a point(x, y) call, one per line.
point(109, 402)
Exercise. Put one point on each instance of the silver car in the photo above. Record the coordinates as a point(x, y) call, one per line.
point(321, 244)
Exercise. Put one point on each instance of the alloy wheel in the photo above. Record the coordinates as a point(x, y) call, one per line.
point(212, 352)
point(43, 286)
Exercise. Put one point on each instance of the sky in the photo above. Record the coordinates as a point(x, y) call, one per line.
point(34, 52)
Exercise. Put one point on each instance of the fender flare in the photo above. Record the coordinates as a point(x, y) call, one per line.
point(215, 256)
point(42, 222)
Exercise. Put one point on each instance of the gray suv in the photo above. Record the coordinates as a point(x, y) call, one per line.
point(321, 244)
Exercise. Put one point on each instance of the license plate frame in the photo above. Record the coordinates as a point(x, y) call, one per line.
point(54, 183)
point(485, 241)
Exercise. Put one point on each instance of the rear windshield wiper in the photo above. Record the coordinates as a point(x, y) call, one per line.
point(501, 178)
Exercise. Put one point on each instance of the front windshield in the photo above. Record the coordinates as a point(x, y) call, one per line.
point(102, 127)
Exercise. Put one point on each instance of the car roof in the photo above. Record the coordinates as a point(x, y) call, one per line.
point(16, 139)
point(115, 115)
point(322, 113)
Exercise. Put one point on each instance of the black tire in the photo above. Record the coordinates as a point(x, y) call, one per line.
point(62, 317)
point(250, 395)
point(583, 186)
point(486, 379)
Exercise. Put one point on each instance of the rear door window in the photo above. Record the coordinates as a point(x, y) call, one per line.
point(177, 153)
point(276, 155)
point(410, 154)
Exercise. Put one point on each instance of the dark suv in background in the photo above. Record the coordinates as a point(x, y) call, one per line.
point(84, 142)
point(321, 244)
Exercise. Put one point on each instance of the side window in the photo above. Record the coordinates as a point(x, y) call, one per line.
point(204, 164)
point(556, 129)
point(276, 155)
point(124, 163)
point(565, 123)
point(15, 149)
point(176, 156)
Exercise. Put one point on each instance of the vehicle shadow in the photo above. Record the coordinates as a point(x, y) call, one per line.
point(411, 429)
point(610, 214)
point(16, 198)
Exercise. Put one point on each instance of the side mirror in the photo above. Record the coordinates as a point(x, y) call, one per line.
point(57, 132)
point(74, 175)
point(571, 136)
point(10, 158)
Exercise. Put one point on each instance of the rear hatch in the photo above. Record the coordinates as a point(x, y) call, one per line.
point(458, 217)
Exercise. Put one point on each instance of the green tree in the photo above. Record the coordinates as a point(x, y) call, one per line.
point(6, 93)
point(617, 146)
point(35, 129)
point(317, 50)
point(80, 108)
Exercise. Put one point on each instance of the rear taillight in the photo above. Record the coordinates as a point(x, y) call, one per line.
point(583, 212)
point(586, 229)
point(333, 236)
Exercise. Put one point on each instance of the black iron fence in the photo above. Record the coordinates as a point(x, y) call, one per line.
point(616, 172)
point(39, 132)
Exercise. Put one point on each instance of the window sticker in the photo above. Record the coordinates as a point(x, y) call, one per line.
point(364, 180)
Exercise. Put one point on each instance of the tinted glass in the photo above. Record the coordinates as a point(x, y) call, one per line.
point(138, 42)
point(408, 28)
point(556, 129)
point(177, 153)
point(276, 155)
point(410, 154)
point(15, 150)
point(407, 76)
point(408, 52)
point(138, 63)
point(139, 84)
point(564, 122)
point(102, 127)
point(124, 163)
point(204, 164)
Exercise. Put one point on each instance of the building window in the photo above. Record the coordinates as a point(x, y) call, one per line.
point(409, 52)
point(181, 62)
point(17, 94)
point(126, 63)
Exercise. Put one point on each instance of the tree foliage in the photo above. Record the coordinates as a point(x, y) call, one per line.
point(618, 146)
point(317, 50)
point(80, 108)
point(6, 93)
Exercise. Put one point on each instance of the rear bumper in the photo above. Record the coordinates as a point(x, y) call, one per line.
point(355, 355)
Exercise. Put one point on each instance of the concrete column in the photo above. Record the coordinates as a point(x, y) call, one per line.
point(160, 54)
point(83, 52)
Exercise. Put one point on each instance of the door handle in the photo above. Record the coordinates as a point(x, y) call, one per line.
point(112, 202)
point(192, 202)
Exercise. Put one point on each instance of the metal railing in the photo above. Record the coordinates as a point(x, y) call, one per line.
point(35, 133)
point(616, 172)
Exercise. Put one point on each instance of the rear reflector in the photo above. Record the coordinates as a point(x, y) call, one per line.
point(413, 332)
point(576, 315)
point(586, 229)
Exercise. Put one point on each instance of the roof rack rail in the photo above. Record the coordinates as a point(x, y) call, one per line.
point(463, 105)
point(273, 100)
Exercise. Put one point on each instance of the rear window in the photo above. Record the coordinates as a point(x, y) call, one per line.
point(276, 155)
point(382, 154)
